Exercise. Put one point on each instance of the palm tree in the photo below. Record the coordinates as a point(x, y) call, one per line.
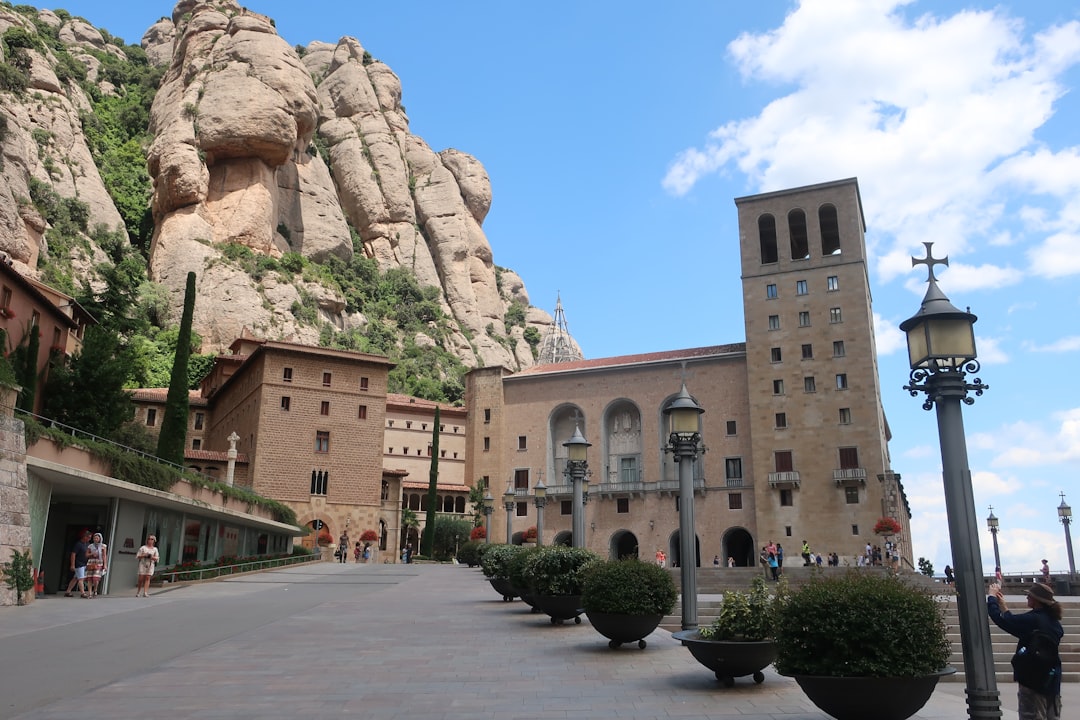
point(409, 521)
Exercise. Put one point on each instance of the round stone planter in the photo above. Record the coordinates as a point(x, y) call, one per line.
point(504, 588)
point(560, 607)
point(620, 628)
point(729, 659)
point(857, 698)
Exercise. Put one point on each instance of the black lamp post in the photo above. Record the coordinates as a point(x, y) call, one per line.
point(489, 507)
point(1065, 515)
point(509, 501)
point(540, 500)
point(576, 467)
point(684, 417)
point(992, 525)
point(941, 351)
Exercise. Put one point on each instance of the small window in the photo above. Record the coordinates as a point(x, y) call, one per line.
point(199, 419)
point(841, 381)
point(800, 287)
point(775, 354)
point(787, 531)
point(808, 352)
point(734, 501)
point(845, 416)
point(854, 529)
point(770, 291)
point(834, 283)
point(390, 450)
point(522, 443)
point(731, 427)
point(487, 415)
point(319, 481)
point(487, 444)
point(777, 387)
point(834, 315)
point(622, 506)
point(363, 383)
point(405, 451)
point(196, 444)
point(782, 461)
point(322, 441)
point(566, 507)
point(326, 379)
point(151, 417)
point(733, 468)
point(774, 322)
point(362, 414)
point(809, 385)
point(423, 426)
point(521, 479)
point(849, 458)
point(408, 424)
point(851, 494)
point(838, 348)
point(787, 498)
point(324, 407)
point(522, 509)
point(286, 403)
point(781, 420)
point(804, 318)
point(286, 375)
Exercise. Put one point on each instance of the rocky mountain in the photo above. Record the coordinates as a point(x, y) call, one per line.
point(253, 149)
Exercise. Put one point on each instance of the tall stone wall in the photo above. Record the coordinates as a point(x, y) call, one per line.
point(14, 495)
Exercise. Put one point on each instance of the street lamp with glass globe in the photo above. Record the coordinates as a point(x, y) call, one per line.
point(509, 501)
point(576, 468)
point(941, 351)
point(1065, 516)
point(992, 526)
point(684, 437)
point(489, 507)
point(540, 500)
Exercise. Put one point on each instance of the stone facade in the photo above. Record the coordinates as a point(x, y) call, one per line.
point(14, 491)
point(794, 428)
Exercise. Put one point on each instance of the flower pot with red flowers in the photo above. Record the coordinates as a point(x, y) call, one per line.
point(887, 526)
point(478, 533)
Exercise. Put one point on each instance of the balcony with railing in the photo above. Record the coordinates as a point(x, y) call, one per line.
point(849, 476)
point(783, 480)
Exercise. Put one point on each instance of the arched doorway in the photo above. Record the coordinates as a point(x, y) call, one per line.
point(624, 544)
point(738, 544)
point(674, 548)
point(564, 538)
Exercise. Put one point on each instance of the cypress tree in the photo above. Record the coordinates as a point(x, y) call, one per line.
point(173, 435)
point(427, 544)
point(26, 369)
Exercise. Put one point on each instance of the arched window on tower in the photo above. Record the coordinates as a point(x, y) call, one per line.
point(830, 230)
point(800, 245)
point(766, 225)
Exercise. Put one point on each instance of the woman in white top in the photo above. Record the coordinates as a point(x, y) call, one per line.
point(148, 558)
point(95, 563)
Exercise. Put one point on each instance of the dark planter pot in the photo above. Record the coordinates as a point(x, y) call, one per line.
point(504, 588)
point(857, 698)
point(620, 628)
point(729, 659)
point(560, 607)
point(529, 599)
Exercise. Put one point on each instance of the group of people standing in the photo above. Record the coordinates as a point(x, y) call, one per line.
point(88, 563)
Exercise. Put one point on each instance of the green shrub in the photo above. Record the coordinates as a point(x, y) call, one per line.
point(515, 571)
point(469, 553)
point(748, 617)
point(861, 624)
point(556, 570)
point(494, 562)
point(19, 573)
point(628, 587)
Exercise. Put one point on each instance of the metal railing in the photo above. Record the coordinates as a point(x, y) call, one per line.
point(174, 574)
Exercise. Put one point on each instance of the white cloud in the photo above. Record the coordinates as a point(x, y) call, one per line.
point(887, 337)
point(1065, 344)
point(1029, 444)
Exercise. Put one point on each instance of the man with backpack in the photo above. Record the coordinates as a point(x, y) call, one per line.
point(1036, 664)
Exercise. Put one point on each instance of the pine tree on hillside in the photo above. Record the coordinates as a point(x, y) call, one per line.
point(173, 435)
point(88, 392)
point(427, 544)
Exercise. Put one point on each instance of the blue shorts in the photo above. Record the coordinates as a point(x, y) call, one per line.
point(80, 573)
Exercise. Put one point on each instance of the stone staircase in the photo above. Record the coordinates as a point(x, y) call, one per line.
point(1004, 644)
point(712, 582)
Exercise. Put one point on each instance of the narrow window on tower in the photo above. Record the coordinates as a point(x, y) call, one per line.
point(770, 291)
point(774, 322)
point(800, 287)
point(800, 246)
point(830, 230)
point(767, 238)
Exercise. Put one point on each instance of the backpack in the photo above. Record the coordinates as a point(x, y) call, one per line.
point(1036, 660)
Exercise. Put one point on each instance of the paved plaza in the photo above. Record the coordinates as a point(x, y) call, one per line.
point(424, 642)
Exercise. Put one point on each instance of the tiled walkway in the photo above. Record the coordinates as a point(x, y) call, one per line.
point(421, 642)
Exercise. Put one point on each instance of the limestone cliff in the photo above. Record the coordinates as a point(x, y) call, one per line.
point(255, 144)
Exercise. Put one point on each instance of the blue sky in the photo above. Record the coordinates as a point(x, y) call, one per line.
point(616, 136)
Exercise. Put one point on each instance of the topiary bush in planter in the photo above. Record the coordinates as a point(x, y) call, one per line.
point(748, 617)
point(469, 553)
point(861, 624)
point(515, 571)
point(628, 587)
point(496, 560)
point(556, 570)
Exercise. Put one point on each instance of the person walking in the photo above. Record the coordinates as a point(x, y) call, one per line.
point(1045, 615)
point(806, 553)
point(95, 563)
point(77, 560)
point(148, 557)
point(1046, 572)
point(343, 547)
point(780, 558)
point(774, 567)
